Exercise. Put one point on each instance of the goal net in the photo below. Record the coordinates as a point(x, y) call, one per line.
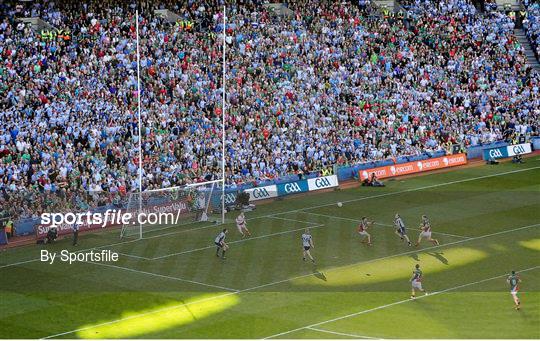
point(159, 210)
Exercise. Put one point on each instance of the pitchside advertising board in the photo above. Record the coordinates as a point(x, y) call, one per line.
point(301, 186)
point(507, 151)
point(414, 167)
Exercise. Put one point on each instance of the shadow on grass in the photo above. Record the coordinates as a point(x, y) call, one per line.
point(439, 256)
point(319, 275)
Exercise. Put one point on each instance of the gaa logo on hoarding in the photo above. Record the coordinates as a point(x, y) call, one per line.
point(519, 149)
point(393, 170)
point(420, 165)
point(445, 161)
point(292, 187)
point(322, 183)
point(495, 153)
point(260, 193)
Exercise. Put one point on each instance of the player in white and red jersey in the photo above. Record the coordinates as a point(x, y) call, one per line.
point(362, 230)
point(241, 225)
point(425, 226)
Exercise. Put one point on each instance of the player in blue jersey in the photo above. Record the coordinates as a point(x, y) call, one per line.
point(220, 243)
point(400, 229)
point(513, 280)
point(416, 281)
point(307, 244)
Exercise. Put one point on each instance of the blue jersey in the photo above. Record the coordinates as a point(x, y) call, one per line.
point(220, 238)
point(400, 225)
point(513, 280)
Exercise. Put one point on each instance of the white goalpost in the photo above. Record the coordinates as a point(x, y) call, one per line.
point(183, 204)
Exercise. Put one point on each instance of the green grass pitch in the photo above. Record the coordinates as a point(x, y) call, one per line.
point(171, 285)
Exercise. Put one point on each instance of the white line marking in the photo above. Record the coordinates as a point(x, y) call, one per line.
point(234, 242)
point(385, 225)
point(306, 208)
point(294, 220)
point(344, 334)
point(132, 256)
point(19, 263)
point(395, 303)
point(277, 282)
point(162, 276)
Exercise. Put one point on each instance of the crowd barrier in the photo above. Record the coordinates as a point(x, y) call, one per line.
point(293, 187)
point(507, 151)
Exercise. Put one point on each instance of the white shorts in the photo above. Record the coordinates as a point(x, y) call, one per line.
point(514, 292)
point(363, 233)
point(425, 234)
point(241, 227)
point(417, 285)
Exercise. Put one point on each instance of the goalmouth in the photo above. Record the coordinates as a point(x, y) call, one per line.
point(168, 208)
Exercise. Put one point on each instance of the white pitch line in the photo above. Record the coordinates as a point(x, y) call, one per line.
point(344, 334)
point(133, 256)
point(274, 283)
point(235, 242)
point(163, 276)
point(385, 225)
point(311, 326)
point(294, 220)
point(306, 208)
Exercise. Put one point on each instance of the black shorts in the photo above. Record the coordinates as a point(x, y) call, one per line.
point(306, 248)
point(218, 244)
point(401, 231)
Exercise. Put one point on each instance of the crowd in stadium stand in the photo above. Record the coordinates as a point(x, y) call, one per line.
point(327, 86)
point(532, 25)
